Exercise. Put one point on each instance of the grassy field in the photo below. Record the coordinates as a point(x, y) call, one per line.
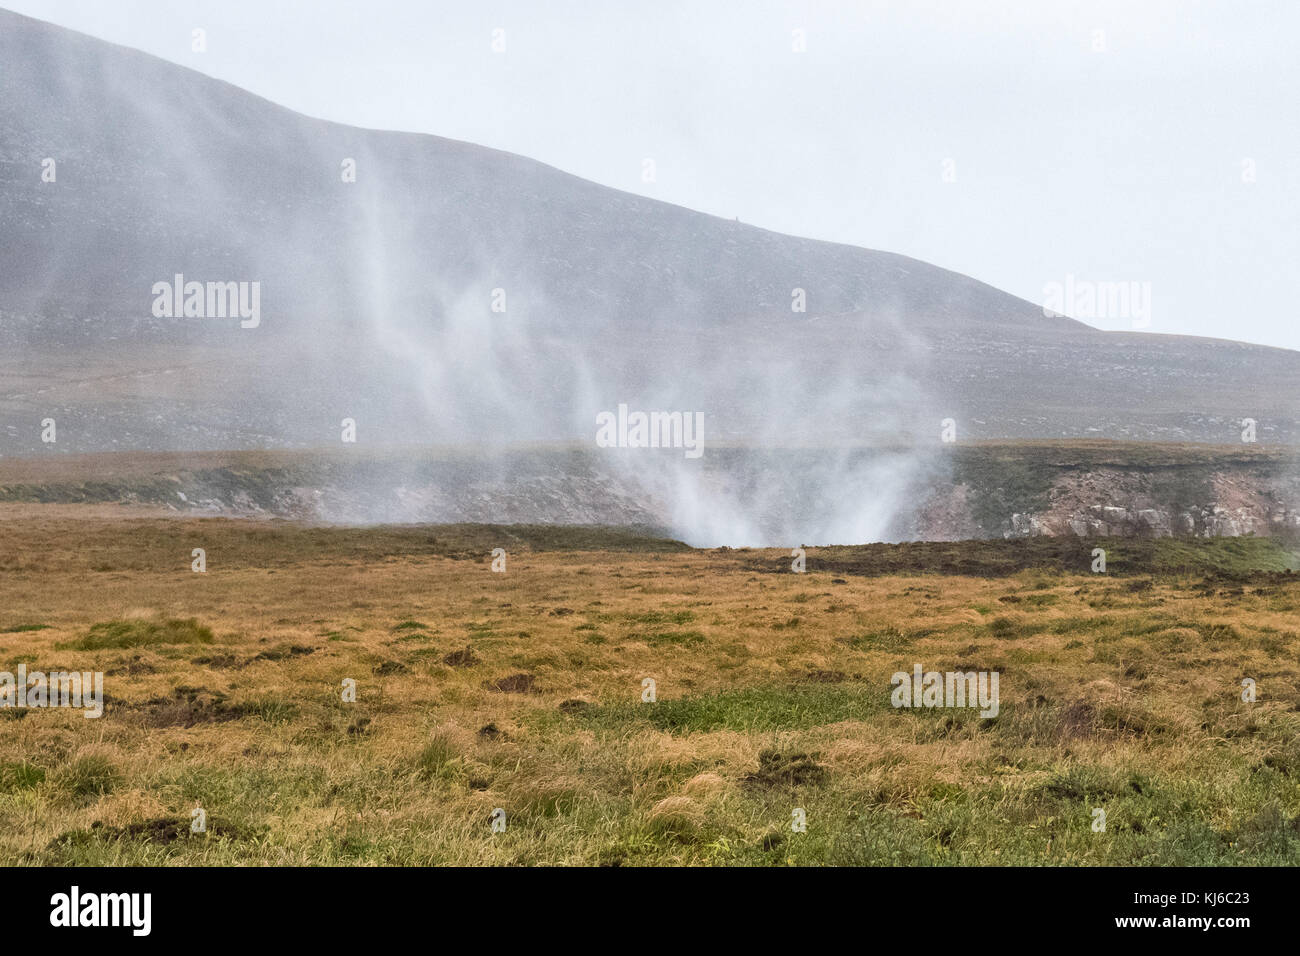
point(522, 691)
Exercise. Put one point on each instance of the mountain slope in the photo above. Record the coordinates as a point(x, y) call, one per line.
point(377, 295)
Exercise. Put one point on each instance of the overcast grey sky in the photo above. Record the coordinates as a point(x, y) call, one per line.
point(1123, 163)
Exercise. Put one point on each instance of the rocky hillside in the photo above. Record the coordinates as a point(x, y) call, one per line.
point(1007, 490)
point(1099, 489)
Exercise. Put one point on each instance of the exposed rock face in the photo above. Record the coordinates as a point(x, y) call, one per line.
point(982, 491)
point(1210, 521)
point(1229, 501)
point(948, 516)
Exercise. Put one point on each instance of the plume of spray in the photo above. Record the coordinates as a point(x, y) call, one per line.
point(807, 451)
point(378, 302)
point(789, 437)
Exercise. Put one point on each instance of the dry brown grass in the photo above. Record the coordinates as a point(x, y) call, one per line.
point(1111, 696)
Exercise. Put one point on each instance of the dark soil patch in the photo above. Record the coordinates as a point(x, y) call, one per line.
point(161, 830)
point(191, 706)
point(219, 662)
point(187, 707)
point(1076, 787)
point(463, 658)
point(283, 653)
point(135, 666)
point(1077, 720)
point(514, 684)
point(787, 769)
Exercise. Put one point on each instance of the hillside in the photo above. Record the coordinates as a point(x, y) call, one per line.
point(376, 296)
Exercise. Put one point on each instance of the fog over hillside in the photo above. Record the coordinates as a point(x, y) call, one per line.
point(458, 294)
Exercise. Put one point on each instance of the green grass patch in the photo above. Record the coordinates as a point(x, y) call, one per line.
point(753, 709)
point(1235, 559)
point(118, 634)
point(886, 639)
point(660, 617)
point(674, 638)
point(88, 777)
point(20, 775)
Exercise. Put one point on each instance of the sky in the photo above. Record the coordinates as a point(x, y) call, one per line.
point(1036, 146)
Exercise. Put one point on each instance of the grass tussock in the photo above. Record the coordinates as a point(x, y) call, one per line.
point(144, 633)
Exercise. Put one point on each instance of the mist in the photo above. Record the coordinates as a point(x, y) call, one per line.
point(428, 294)
point(480, 310)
